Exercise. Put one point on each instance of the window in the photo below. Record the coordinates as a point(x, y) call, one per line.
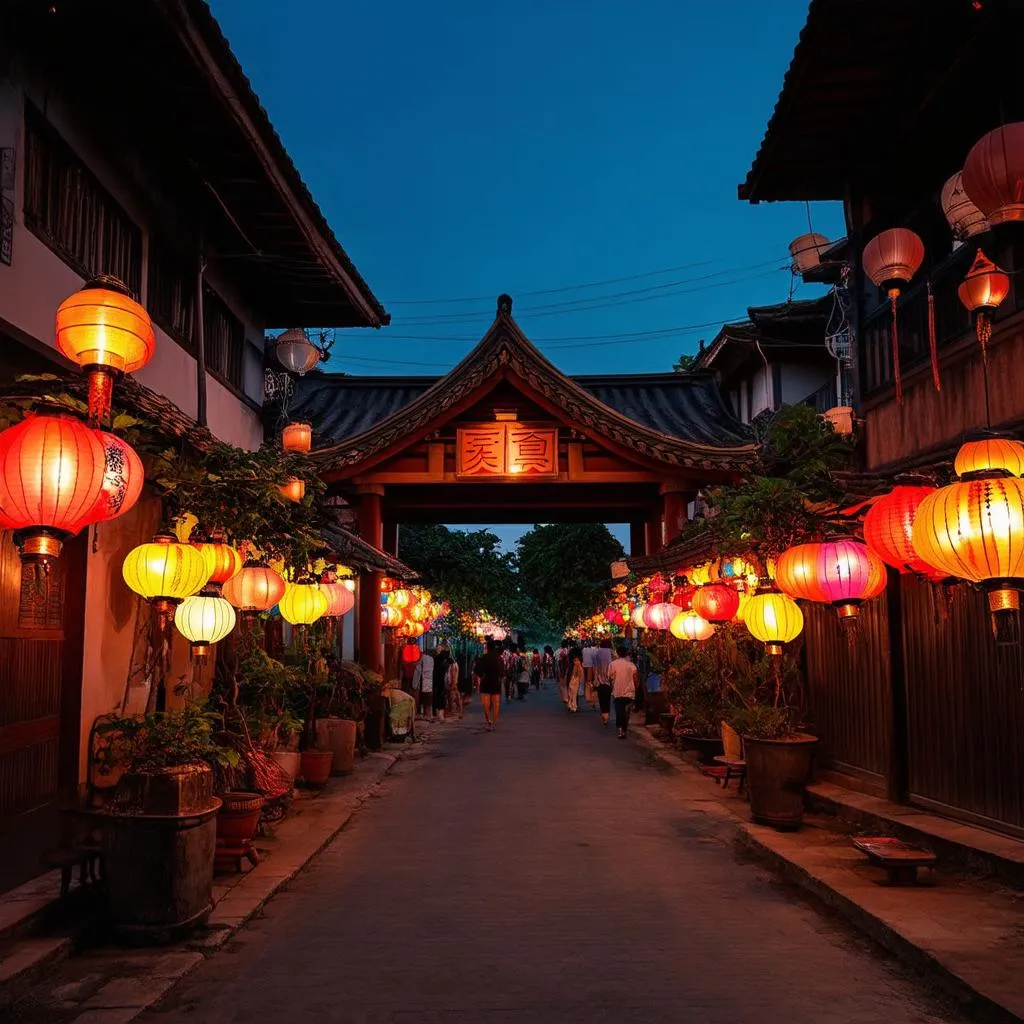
point(171, 295)
point(72, 213)
point(223, 339)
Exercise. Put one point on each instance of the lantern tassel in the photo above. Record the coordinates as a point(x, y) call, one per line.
point(983, 329)
point(896, 375)
point(932, 342)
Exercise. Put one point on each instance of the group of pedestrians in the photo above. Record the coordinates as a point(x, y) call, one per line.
point(435, 684)
point(603, 678)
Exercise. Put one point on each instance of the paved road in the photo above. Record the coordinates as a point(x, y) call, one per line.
point(546, 872)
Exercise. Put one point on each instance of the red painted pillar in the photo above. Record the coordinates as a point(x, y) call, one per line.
point(675, 500)
point(653, 535)
point(637, 539)
point(371, 652)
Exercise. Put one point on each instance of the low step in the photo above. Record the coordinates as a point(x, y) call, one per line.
point(23, 962)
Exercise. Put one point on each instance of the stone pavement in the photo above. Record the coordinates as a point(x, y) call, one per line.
point(546, 872)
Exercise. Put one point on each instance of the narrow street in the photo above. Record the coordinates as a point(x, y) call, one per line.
point(547, 872)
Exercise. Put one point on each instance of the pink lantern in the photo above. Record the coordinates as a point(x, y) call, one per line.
point(660, 616)
point(848, 574)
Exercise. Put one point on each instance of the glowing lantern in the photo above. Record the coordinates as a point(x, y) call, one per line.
point(297, 437)
point(660, 615)
point(716, 602)
point(294, 488)
point(993, 174)
point(302, 603)
point(418, 613)
point(415, 629)
point(982, 291)
point(741, 611)
point(165, 571)
point(106, 332)
point(387, 584)
point(204, 620)
point(295, 352)
point(891, 259)
point(974, 529)
point(806, 251)
point(411, 654)
point(889, 529)
point(123, 478)
point(991, 454)
point(256, 588)
point(614, 616)
point(391, 617)
point(340, 600)
point(638, 616)
point(849, 573)
point(691, 626)
point(964, 218)
point(682, 597)
point(774, 619)
point(53, 482)
point(400, 598)
point(796, 573)
point(222, 559)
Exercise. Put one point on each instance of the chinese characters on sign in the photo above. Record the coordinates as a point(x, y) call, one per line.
point(507, 449)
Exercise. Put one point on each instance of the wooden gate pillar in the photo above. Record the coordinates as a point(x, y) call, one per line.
point(675, 499)
point(654, 539)
point(370, 653)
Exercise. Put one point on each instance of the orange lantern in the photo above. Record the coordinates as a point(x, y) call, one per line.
point(224, 561)
point(400, 598)
point(340, 600)
point(106, 332)
point(391, 617)
point(123, 478)
point(965, 219)
point(889, 529)
point(255, 588)
point(387, 584)
point(796, 573)
point(993, 175)
point(53, 482)
point(990, 455)
point(716, 602)
point(297, 437)
point(415, 629)
point(891, 259)
point(982, 291)
point(418, 613)
point(294, 488)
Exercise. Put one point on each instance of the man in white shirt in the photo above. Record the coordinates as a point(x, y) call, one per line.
point(423, 684)
point(622, 673)
point(602, 683)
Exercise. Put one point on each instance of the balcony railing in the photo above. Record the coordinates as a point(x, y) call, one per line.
point(952, 321)
point(825, 398)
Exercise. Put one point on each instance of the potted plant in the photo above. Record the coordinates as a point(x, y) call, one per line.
point(159, 830)
point(270, 694)
point(376, 708)
point(347, 709)
point(317, 756)
point(694, 685)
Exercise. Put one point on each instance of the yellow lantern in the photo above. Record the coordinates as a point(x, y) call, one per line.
point(224, 560)
point(691, 626)
point(303, 603)
point(774, 619)
point(400, 598)
point(741, 611)
point(165, 571)
point(974, 529)
point(988, 455)
point(203, 620)
point(297, 437)
point(294, 488)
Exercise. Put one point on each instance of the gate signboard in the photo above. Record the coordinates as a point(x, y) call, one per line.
point(512, 450)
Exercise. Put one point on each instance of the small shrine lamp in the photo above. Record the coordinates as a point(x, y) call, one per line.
point(204, 620)
point(297, 437)
point(773, 618)
point(982, 291)
point(964, 218)
point(891, 259)
point(106, 332)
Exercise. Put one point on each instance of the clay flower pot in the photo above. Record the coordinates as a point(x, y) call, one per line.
point(237, 821)
point(316, 766)
point(777, 774)
point(290, 762)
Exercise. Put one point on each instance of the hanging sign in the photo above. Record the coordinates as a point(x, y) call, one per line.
point(521, 451)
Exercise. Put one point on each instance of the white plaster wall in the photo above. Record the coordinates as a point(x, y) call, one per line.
point(799, 381)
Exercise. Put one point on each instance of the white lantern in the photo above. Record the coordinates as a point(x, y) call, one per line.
point(964, 217)
point(295, 352)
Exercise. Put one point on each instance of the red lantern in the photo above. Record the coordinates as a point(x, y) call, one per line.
point(411, 654)
point(682, 597)
point(982, 291)
point(849, 573)
point(257, 588)
point(340, 600)
point(123, 478)
point(993, 175)
point(716, 602)
point(889, 529)
point(53, 482)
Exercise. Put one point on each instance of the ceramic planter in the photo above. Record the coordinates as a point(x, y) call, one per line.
point(316, 766)
point(777, 775)
point(290, 762)
point(237, 821)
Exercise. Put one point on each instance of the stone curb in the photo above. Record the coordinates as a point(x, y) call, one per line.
point(122, 999)
point(918, 958)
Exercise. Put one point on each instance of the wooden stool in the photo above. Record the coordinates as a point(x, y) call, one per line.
point(85, 857)
point(735, 768)
point(900, 860)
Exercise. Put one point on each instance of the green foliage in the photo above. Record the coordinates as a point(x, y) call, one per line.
point(763, 722)
point(271, 695)
point(565, 568)
point(684, 363)
point(161, 740)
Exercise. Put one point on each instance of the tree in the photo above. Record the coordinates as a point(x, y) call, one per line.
point(565, 568)
point(684, 363)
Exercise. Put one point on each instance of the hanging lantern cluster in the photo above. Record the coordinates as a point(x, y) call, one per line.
point(889, 530)
point(165, 571)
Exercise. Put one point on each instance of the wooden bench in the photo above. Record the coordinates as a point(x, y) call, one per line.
point(900, 860)
point(735, 768)
point(83, 856)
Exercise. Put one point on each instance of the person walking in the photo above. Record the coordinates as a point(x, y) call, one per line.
point(535, 669)
point(575, 679)
point(442, 663)
point(589, 693)
point(602, 682)
point(454, 693)
point(563, 668)
point(489, 670)
point(622, 673)
point(548, 662)
point(423, 684)
point(509, 659)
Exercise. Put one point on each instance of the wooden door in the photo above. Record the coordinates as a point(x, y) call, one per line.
point(40, 699)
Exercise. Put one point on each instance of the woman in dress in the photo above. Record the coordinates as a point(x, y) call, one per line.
point(575, 678)
point(454, 693)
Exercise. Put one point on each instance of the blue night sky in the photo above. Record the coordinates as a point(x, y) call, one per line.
point(463, 148)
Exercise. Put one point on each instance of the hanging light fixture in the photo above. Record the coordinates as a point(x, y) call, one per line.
point(295, 352)
point(294, 488)
point(682, 597)
point(891, 259)
point(340, 600)
point(223, 560)
point(204, 620)
point(660, 615)
point(303, 603)
point(717, 602)
point(974, 529)
point(993, 173)
point(849, 573)
point(691, 626)
point(796, 573)
point(297, 437)
point(400, 598)
point(741, 611)
point(391, 617)
point(964, 218)
point(982, 291)
point(123, 477)
point(806, 251)
point(165, 571)
point(773, 618)
point(255, 588)
point(999, 455)
point(106, 332)
point(637, 616)
point(889, 529)
point(411, 654)
point(53, 482)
